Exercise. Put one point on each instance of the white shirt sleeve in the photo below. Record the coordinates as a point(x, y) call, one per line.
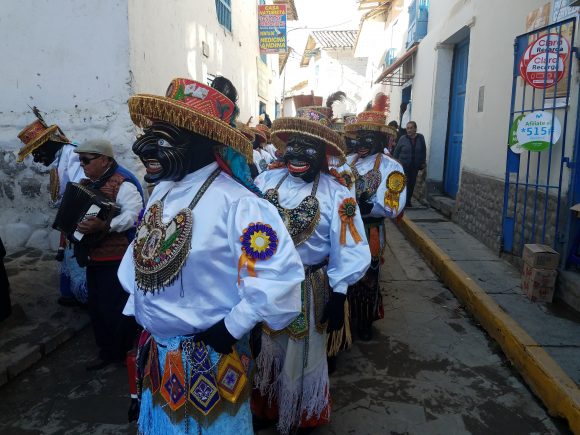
point(129, 199)
point(269, 288)
point(380, 208)
point(348, 262)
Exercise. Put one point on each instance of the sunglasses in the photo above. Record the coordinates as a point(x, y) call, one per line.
point(87, 160)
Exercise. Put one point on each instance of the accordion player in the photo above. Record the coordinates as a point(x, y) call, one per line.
point(78, 204)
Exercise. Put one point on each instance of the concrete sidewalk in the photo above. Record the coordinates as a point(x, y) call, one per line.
point(38, 325)
point(541, 340)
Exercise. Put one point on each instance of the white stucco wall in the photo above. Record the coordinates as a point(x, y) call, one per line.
point(70, 59)
point(490, 64)
point(167, 41)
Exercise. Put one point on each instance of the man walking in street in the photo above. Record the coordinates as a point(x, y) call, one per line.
point(411, 151)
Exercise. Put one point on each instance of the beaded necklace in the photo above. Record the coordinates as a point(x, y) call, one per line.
point(302, 220)
point(370, 181)
point(161, 249)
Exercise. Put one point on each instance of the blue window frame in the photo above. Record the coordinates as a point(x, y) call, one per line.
point(224, 13)
point(418, 21)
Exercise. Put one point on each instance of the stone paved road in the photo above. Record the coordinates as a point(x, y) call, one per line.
point(429, 370)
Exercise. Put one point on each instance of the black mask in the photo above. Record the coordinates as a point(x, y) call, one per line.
point(369, 142)
point(304, 157)
point(350, 145)
point(46, 153)
point(256, 143)
point(169, 153)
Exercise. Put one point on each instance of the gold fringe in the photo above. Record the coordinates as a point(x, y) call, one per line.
point(341, 339)
point(350, 130)
point(35, 144)
point(144, 109)
point(283, 127)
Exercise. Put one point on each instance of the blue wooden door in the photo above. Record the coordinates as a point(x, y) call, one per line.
point(455, 130)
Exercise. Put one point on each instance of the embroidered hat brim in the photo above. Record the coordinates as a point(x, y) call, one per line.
point(52, 133)
point(352, 129)
point(283, 128)
point(145, 109)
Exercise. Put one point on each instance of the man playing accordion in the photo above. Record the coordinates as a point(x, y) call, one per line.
point(114, 333)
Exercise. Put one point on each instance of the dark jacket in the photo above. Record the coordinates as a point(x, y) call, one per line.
point(404, 153)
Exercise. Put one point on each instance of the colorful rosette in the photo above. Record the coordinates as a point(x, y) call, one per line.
point(347, 212)
point(259, 242)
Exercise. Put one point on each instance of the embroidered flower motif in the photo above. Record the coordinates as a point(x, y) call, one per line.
point(259, 241)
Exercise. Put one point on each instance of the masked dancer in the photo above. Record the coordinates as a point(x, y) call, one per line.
point(210, 260)
point(50, 147)
point(381, 193)
point(326, 227)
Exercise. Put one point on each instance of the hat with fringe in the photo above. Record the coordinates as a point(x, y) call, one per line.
point(313, 122)
point(36, 134)
point(266, 130)
point(260, 134)
point(246, 131)
point(193, 106)
point(374, 119)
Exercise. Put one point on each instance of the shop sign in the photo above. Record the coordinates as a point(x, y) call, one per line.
point(536, 131)
point(272, 28)
point(544, 60)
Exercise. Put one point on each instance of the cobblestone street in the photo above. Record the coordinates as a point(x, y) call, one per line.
point(429, 370)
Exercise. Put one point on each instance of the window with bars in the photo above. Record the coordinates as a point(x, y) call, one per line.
point(224, 13)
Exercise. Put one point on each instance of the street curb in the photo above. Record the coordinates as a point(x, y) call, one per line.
point(37, 352)
point(550, 383)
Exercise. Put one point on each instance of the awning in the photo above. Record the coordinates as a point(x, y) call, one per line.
point(399, 72)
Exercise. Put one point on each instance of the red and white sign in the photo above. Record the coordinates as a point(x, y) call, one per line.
point(543, 62)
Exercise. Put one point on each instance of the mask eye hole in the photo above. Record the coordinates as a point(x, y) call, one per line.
point(163, 143)
point(290, 149)
point(310, 151)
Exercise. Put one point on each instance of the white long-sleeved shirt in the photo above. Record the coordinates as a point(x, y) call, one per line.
point(271, 149)
point(346, 263)
point(387, 165)
point(207, 290)
point(129, 199)
point(68, 167)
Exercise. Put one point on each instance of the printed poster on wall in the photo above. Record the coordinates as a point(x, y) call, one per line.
point(272, 28)
point(536, 131)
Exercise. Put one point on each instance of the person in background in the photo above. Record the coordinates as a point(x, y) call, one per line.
point(114, 333)
point(393, 140)
point(411, 151)
point(50, 147)
point(5, 305)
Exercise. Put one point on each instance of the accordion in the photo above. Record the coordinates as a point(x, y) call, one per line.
point(79, 203)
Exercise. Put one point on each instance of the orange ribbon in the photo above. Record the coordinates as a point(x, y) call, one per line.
point(246, 261)
point(347, 212)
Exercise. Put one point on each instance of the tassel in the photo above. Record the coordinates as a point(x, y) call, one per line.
point(341, 339)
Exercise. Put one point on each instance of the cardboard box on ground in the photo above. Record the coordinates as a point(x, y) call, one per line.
point(539, 272)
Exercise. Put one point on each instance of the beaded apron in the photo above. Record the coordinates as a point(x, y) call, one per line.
point(194, 382)
point(370, 181)
point(161, 249)
point(315, 292)
point(302, 220)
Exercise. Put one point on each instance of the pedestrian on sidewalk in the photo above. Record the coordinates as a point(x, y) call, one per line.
point(114, 332)
point(5, 304)
point(50, 147)
point(381, 193)
point(411, 151)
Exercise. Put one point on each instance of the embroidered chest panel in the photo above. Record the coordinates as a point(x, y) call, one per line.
point(300, 221)
point(161, 249)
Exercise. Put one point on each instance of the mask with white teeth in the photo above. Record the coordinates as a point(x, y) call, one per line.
point(170, 153)
point(369, 142)
point(304, 157)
